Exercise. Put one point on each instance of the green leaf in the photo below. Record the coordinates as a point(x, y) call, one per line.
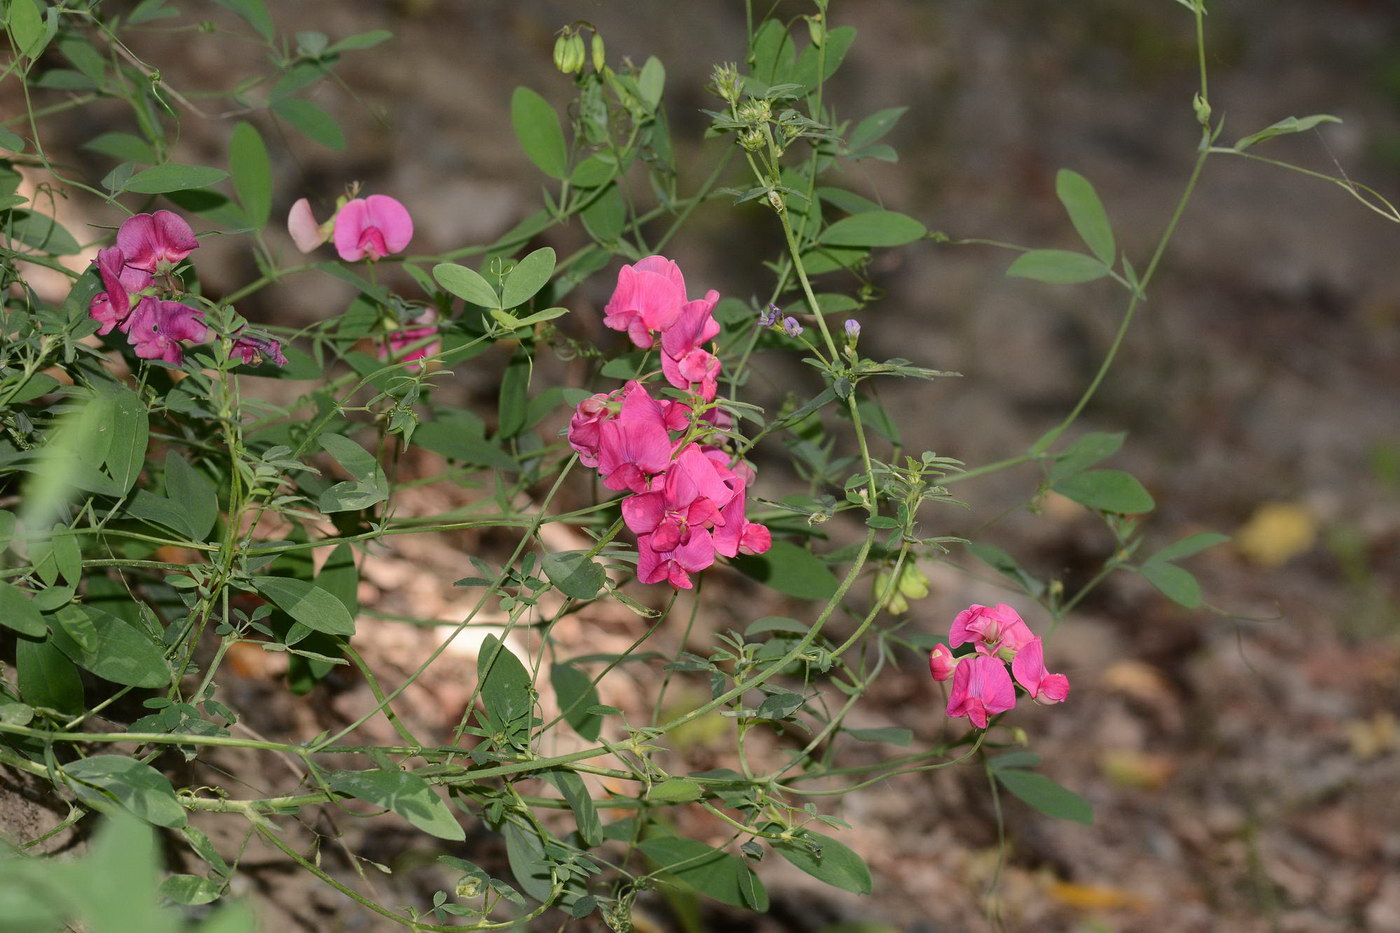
point(1004, 564)
point(514, 398)
point(606, 217)
point(308, 604)
point(38, 231)
point(26, 26)
point(130, 426)
point(172, 176)
point(1086, 213)
point(576, 695)
point(537, 127)
point(651, 82)
point(406, 794)
point(892, 735)
point(528, 277)
point(1084, 453)
point(136, 786)
point(1178, 585)
point(193, 494)
point(109, 647)
point(467, 284)
point(122, 146)
point(1188, 546)
point(792, 570)
point(574, 574)
point(46, 676)
point(370, 484)
point(341, 578)
point(590, 828)
point(826, 860)
point(527, 860)
point(710, 871)
point(11, 140)
point(1107, 491)
point(363, 40)
point(1057, 266)
point(506, 691)
point(254, 12)
point(676, 790)
point(1014, 760)
point(252, 174)
point(873, 127)
point(191, 890)
point(1284, 127)
point(18, 613)
point(1046, 796)
point(873, 228)
point(319, 126)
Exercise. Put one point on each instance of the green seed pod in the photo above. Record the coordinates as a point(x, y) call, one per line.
point(600, 55)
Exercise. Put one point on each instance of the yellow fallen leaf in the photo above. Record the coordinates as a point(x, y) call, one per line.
point(1137, 679)
point(1095, 897)
point(1276, 533)
point(1128, 768)
point(1373, 737)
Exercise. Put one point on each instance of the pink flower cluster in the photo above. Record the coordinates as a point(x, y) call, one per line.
point(135, 282)
point(687, 497)
point(981, 685)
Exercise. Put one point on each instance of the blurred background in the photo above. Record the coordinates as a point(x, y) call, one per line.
point(1243, 760)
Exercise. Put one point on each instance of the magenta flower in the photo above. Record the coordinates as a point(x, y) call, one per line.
point(684, 360)
point(586, 425)
point(252, 349)
point(156, 328)
point(992, 629)
point(648, 298)
point(400, 340)
point(736, 534)
point(941, 663)
point(981, 688)
point(691, 498)
point(675, 566)
point(112, 305)
point(152, 241)
point(634, 446)
point(307, 233)
point(374, 226)
point(1029, 668)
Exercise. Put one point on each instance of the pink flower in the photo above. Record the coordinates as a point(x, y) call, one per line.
point(634, 446)
point(675, 565)
point(252, 349)
point(691, 498)
point(306, 233)
point(736, 534)
point(374, 226)
point(992, 629)
point(1029, 668)
point(683, 358)
point(648, 298)
point(941, 663)
point(156, 327)
point(401, 340)
point(981, 688)
point(119, 282)
point(148, 241)
point(586, 425)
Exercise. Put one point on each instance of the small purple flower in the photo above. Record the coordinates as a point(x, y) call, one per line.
point(253, 348)
point(791, 327)
point(770, 317)
point(852, 329)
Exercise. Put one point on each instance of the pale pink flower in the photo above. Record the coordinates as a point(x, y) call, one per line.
point(375, 226)
point(1029, 668)
point(648, 298)
point(992, 629)
point(306, 232)
point(149, 241)
point(981, 689)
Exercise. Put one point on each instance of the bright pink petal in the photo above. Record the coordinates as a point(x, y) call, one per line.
point(350, 225)
point(392, 220)
point(981, 688)
point(643, 512)
point(941, 663)
point(1029, 669)
point(648, 298)
point(150, 239)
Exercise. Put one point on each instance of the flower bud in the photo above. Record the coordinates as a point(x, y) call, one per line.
point(775, 201)
point(568, 52)
point(755, 110)
point(600, 55)
point(1202, 107)
point(912, 582)
point(726, 83)
point(752, 140)
point(894, 602)
point(852, 330)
